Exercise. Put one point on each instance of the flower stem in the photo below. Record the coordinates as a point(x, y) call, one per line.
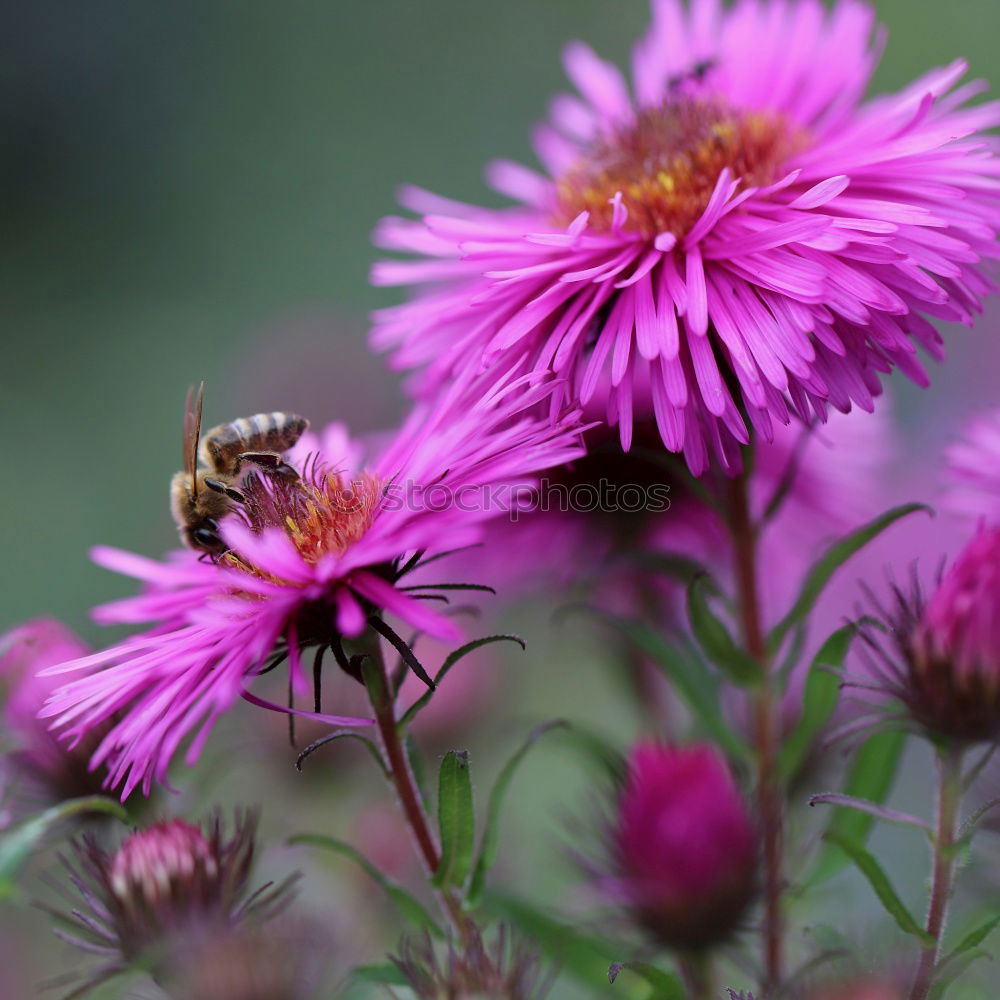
point(949, 797)
point(744, 536)
point(696, 971)
point(401, 776)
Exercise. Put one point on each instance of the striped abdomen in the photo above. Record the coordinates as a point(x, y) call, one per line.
point(222, 446)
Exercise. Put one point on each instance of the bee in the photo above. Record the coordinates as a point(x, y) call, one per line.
point(201, 497)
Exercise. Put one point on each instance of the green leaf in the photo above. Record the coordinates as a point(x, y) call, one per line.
point(456, 820)
point(410, 714)
point(832, 559)
point(387, 974)
point(971, 941)
point(695, 683)
point(491, 831)
point(715, 640)
point(819, 701)
point(879, 881)
point(18, 843)
point(580, 954)
point(411, 909)
point(666, 985)
point(870, 777)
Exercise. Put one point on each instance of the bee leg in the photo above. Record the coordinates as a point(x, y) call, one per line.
point(272, 462)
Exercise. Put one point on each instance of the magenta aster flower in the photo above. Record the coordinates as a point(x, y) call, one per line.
point(974, 467)
point(945, 665)
point(685, 848)
point(740, 228)
point(311, 562)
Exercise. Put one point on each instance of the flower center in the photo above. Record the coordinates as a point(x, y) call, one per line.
point(323, 513)
point(667, 161)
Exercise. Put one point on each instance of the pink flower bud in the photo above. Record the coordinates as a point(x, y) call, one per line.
point(54, 769)
point(954, 650)
point(685, 846)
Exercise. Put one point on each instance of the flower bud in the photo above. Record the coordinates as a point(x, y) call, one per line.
point(166, 881)
point(684, 845)
point(54, 770)
point(507, 970)
point(946, 667)
point(282, 962)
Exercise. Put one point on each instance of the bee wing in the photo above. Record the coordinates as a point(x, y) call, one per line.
point(192, 432)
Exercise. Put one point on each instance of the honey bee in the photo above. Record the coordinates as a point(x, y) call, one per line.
point(201, 497)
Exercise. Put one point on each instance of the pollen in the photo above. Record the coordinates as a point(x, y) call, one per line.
point(667, 161)
point(323, 513)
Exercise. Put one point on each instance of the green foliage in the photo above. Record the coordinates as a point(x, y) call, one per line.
point(456, 820)
point(18, 843)
point(879, 881)
point(666, 986)
point(411, 713)
point(832, 559)
point(409, 907)
point(714, 638)
point(695, 683)
point(870, 777)
point(819, 701)
point(491, 831)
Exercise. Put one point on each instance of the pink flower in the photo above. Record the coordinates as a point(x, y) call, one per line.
point(684, 845)
point(740, 229)
point(974, 467)
point(946, 668)
point(311, 561)
point(54, 771)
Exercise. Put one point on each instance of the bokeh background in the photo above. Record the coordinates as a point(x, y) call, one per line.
point(189, 190)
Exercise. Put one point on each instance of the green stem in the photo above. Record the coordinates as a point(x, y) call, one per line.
point(696, 971)
point(769, 799)
point(949, 798)
point(401, 776)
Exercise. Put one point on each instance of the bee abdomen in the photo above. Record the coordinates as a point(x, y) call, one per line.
point(274, 432)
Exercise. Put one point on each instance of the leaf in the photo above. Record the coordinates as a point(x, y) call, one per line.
point(879, 881)
point(580, 954)
point(450, 661)
point(342, 734)
point(491, 831)
point(715, 640)
point(870, 777)
point(18, 843)
point(387, 974)
point(829, 562)
point(402, 647)
point(456, 820)
point(410, 908)
point(819, 701)
point(666, 985)
point(872, 809)
point(971, 941)
point(696, 685)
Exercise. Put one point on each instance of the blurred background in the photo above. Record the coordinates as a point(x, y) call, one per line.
point(189, 191)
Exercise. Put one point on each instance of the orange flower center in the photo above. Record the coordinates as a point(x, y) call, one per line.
point(667, 161)
point(323, 513)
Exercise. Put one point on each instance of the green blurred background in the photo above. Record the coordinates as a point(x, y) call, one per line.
point(189, 191)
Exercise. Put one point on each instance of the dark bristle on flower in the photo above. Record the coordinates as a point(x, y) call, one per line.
point(506, 969)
